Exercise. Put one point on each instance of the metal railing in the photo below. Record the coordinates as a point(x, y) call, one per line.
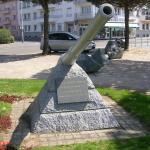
point(140, 42)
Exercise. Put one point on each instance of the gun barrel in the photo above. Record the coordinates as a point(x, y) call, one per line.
point(105, 12)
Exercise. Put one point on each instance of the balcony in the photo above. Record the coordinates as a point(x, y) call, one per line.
point(117, 19)
point(81, 16)
point(122, 19)
point(144, 18)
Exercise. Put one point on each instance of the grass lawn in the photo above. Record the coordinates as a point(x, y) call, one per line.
point(5, 109)
point(20, 87)
point(137, 103)
point(142, 143)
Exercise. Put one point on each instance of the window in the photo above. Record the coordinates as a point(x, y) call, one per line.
point(143, 26)
point(35, 4)
point(60, 36)
point(28, 4)
point(59, 27)
point(53, 36)
point(24, 5)
point(63, 36)
point(69, 12)
point(53, 27)
point(25, 17)
point(29, 17)
point(117, 11)
point(25, 28)
point(14, 17)
point(42, 27)
point(34, 15)
point(35, 27)
point(147, 26)
point(86, 10)
point(42, 14)
point(29, 27)
point(52, 11)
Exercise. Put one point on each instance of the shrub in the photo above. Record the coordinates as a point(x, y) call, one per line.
point(5, 109)
point(12, 39)
point(5, 36)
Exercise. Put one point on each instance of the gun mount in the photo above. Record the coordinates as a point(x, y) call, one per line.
point(105, 13)
point(69, 102)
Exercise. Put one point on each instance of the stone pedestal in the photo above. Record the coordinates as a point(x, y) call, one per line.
point(50, 113)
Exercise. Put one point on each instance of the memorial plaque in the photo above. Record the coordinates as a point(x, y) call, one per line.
point(72, 90)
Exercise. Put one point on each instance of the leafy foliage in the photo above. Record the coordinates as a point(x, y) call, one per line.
point(5, 109)
point(5, 36)
point(121, 3)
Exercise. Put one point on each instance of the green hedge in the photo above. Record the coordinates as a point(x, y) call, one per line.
point(5, 36)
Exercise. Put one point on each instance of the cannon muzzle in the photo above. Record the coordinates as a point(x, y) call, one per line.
point(105, 13)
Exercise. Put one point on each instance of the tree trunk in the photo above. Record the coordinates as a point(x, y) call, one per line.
point(126, 27)
point(46, 23)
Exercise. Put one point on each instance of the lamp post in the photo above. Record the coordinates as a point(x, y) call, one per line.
point(22, 32)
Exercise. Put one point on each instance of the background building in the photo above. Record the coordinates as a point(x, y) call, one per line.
point(143, 18)
point(72, 17)
point(9, 17)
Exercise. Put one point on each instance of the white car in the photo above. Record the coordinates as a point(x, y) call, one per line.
point(62, 41)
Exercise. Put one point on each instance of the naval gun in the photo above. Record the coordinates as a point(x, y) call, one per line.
point(69, 102)
point(105, 13)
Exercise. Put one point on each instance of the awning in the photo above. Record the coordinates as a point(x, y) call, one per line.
point(121, 24)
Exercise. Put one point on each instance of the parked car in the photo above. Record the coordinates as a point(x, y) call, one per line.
point(62, 41)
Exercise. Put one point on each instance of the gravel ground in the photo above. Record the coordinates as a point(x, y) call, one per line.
point(131, 72)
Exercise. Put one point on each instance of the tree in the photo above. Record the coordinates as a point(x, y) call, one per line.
point(128, 5)
point(44, 4)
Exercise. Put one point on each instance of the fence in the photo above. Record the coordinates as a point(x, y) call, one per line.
point(140, 42)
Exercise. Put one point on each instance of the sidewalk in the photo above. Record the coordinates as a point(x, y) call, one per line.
point(131, 72)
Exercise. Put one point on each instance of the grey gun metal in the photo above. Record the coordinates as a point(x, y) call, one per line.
point(69, 102)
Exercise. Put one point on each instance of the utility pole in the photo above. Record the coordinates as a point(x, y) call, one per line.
point(22, 29)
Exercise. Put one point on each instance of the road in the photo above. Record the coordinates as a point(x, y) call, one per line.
point(19, 48)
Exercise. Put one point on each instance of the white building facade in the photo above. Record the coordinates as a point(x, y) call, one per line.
point(74, 17)
point(143, 18)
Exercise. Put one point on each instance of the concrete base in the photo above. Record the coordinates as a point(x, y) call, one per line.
point(74, 121)
point(46, 115)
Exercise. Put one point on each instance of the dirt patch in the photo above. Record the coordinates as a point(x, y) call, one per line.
point(137, 54)
point(11, 98)
point(5, 123)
